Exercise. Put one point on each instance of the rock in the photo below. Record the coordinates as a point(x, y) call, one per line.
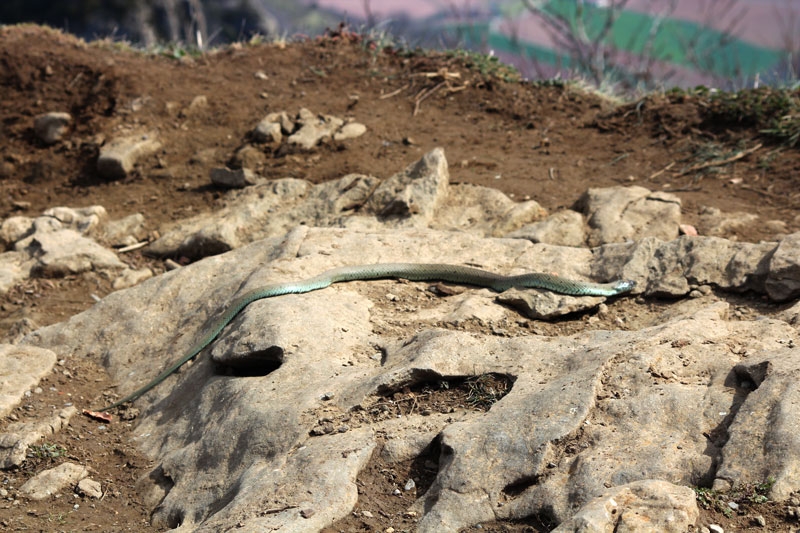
point(552, 444)
point(21, 368)
point(763, 435)
point(350, 131)
point(90, 488)
point(783, 281)
point(121, 232)
point(19, 436)
point(716, 223)
point(418, 190)
point(482, 210)
point(546, 305)
point(269, 130)
point(647, 505)
point(672, 268)
point(119, 156)
point(619, 214)
point(14, 268)
point(51, 127)
point(50, 482)
point(313, 129)
point(197, 104)
point(64, 252)
point(81, 219)
point(237, 179)
point(130, 277)
point(248, 157)
point(14, 229)
point(564, 228)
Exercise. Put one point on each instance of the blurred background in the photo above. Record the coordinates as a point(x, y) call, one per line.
point(623, 45)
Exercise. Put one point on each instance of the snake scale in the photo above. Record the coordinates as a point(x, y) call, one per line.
point(410, 271)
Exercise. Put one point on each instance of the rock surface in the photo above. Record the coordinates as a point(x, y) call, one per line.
point(552, 444)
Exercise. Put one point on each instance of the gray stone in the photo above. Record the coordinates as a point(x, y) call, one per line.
point(268, 130)
point(64, 252)
point(564, 228)
point(81, 219)
point(130, 277)
point(90, 488)
point(21, 368)
point(577, 404)
point(313, 129)
point(783, 281)
point(648, 505)
point(765, 433)
point(618, 214)
point(714, 222)
point(19, 436)
point(350, 130)
point(235, 179)
point(418, 190)
point(119, 156)
point(14, 268)
point(51, 127)
point(52, 481)
point(125, 231)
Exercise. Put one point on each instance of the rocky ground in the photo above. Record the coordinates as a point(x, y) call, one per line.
point(145, 135)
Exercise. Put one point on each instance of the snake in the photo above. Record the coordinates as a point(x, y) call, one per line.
point(463, 275)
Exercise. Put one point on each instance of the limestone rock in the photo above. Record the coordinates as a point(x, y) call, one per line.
point(125, 231)
point(64, 252)
point(564, 228)
point(21, 368)
point(619, 214)
point(14, 268)
point(51, 127)
point(648, 505)
point(714, 222)
point(350, 130)
point(552, 444)
point(90, 488)
point(52, 481)
point(313, 129)
point(235, 179)
point(783, 281)
point(418, 190)
point(119, 156)
point(19, 436)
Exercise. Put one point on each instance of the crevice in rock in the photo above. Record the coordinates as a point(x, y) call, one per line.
point(427, 391)
point(743, 379)
point(257, 363)
point(518, 486)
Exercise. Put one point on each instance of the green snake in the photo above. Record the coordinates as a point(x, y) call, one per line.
point(410, 271)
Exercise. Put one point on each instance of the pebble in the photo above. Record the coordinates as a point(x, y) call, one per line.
point(409, 485)
point(715, 528)
point(759, 519)
point(367, 514)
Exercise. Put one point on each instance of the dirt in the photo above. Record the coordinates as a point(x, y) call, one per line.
point(548, 142)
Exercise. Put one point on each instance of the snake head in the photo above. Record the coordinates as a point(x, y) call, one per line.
point(624, 285)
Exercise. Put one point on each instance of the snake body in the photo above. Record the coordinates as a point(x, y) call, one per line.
point(410, 271)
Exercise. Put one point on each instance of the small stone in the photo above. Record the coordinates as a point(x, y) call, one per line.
point(409, 485)
point(50, 127)
point(236, 179)
point(759, 519)
point(733, 505)
point(350, 131)
point(90, 488)
point(367, 514)
point(715, 528)
point(396, 492)
point(307, 512)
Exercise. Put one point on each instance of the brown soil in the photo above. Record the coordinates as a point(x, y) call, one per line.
point(545, 142)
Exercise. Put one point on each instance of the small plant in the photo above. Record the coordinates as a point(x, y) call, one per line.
point(46, 451)
point(485, 390)
point(743, 495)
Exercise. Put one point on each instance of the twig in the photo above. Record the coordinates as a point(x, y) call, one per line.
point(423, 95)
point(551, 172)
point(394, 93)
point(133, 247)
point(720, 162)
point(659, 172)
